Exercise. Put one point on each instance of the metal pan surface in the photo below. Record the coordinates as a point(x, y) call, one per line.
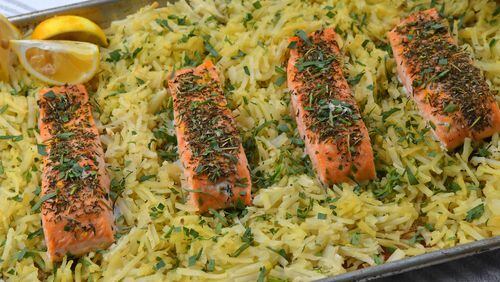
point(104, 12)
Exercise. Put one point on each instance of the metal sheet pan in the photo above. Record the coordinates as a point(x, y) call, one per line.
point(104, 12)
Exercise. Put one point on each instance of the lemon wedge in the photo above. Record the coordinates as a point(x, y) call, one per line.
point(7, 32)
point(58, 62)
point(73, 28)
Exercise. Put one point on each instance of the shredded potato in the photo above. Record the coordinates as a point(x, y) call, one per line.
point(424, 198)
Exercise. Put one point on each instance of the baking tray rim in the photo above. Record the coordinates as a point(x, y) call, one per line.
point(368, 273)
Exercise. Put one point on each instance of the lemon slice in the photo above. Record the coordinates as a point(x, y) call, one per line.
point(58, 62)
point(7, 32)
point(73, 28)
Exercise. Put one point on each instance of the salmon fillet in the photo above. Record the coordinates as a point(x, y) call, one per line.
point(214, 164)
point(449, 90)
point(328, 118)
point(76, 214)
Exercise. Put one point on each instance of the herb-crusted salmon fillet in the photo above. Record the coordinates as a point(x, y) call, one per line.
point(448, 89)
point(209, 145)
point(76, 209)
point(328, 118)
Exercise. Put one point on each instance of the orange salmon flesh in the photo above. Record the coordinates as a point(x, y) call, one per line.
point(76, 210)
point(328, 118)
point(214, 164)
point(450, 92)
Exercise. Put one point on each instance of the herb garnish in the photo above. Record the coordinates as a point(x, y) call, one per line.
point(160, 263)
point(193, 259)
point(355, 238)
point(209, 48)
point(321, 216)
point(302, 34)
point(41, 149)
point(45, 197)
point(4, 108)
point(146, 177)
point(72, 181)
point(388, 113)
point(114, 56)
point(262, 274)
point(240, 54)
point(213, 137)
point(328, 112)
point(475, 213)
point(411, 177)
point(211, 265)
point(247, 239)
point(356, 79)
point(118, 54)
point(164, 23)
point(14, 138)
point(436, 62)
point(35, 234)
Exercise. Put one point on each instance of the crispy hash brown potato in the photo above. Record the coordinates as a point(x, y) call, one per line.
point(423, 198)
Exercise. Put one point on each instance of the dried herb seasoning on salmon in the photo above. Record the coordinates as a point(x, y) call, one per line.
point(75, 205)
point(328, 118)
point(423, 199)
point(215, 166)
point(449, 90)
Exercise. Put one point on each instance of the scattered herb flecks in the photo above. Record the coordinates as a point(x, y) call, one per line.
point(328, 113)
point(475, 213)
point(213, 137)
point(164, 23)
point(436, 62)
point(73, 182)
